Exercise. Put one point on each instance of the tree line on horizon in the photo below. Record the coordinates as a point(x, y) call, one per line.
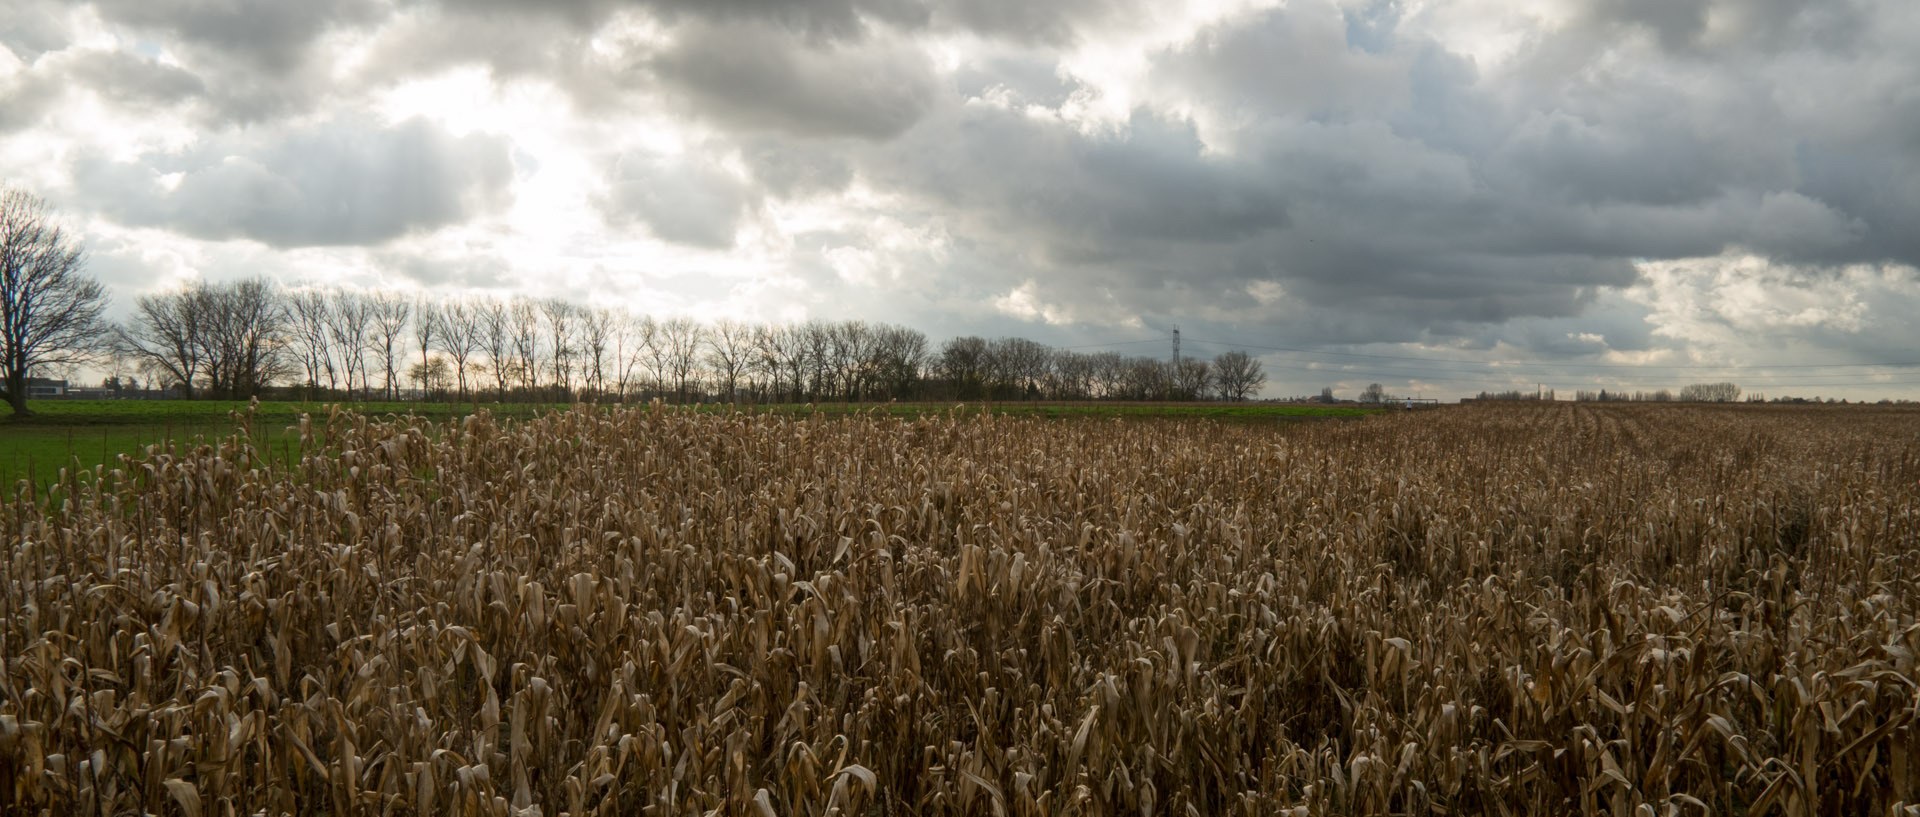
point(254, 337)
point(1723, 392)
point(241, 339)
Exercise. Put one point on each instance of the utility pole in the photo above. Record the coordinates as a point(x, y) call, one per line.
point(1176, 347)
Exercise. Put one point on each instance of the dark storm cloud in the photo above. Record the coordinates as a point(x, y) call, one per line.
point(1077, 199)
point(267, 36)
point(752, 78)
point(1053, 23)
point(1660, 159)
point(1293, 63)
point(340, 182)
point(1422, 195)
point(1722, 26)
point(1346, 218)
point(1677, 24)
point(1875, 180)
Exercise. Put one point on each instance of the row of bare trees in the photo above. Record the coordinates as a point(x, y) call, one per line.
point(221, 341)
point(232, 340)
point(1017, 368)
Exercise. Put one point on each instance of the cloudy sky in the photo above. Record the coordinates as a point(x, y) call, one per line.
point(1441, 196)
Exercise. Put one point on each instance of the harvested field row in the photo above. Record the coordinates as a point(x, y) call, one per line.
point(1538, 609)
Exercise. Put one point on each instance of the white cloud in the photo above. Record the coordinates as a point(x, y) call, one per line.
point(1024, 302)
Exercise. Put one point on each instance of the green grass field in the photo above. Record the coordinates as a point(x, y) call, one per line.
point(85, 433)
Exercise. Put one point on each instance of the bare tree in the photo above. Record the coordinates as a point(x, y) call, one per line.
point(659, 359)
point(1237, 375)
point(816, 343)
point(1109, 374)
point(1146, 378)
point(1016, 366)
point(1192, 378)
point(524, 320)
point(559, 318)
point(496, 336)
point(963, 365)
point(899, 353)
point(390, 314)
point(847, 346)
point(682, 338)
point(764, 364)
point(308, 314)
point(634, 347)
point(1373, 393)
point(431, 373)
point(49, 310)
point(1070, 377)
point(164, 336)
point(598, 327)
point(787, 353)
point(231, 338)
point(729, 349)
point(460, 338)
point(427, 325)
point(244, 335)
point(119, 366)
point(347, 329)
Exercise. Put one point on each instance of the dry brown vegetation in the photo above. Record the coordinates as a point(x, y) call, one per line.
point(1487, 610)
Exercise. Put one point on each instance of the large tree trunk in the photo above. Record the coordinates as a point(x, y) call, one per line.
point(17, 395)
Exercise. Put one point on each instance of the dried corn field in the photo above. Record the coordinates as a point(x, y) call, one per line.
point(1549, 609)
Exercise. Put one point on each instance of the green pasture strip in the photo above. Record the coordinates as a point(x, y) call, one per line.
point(68, 434)
point(85, 433)
point(64, 413)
